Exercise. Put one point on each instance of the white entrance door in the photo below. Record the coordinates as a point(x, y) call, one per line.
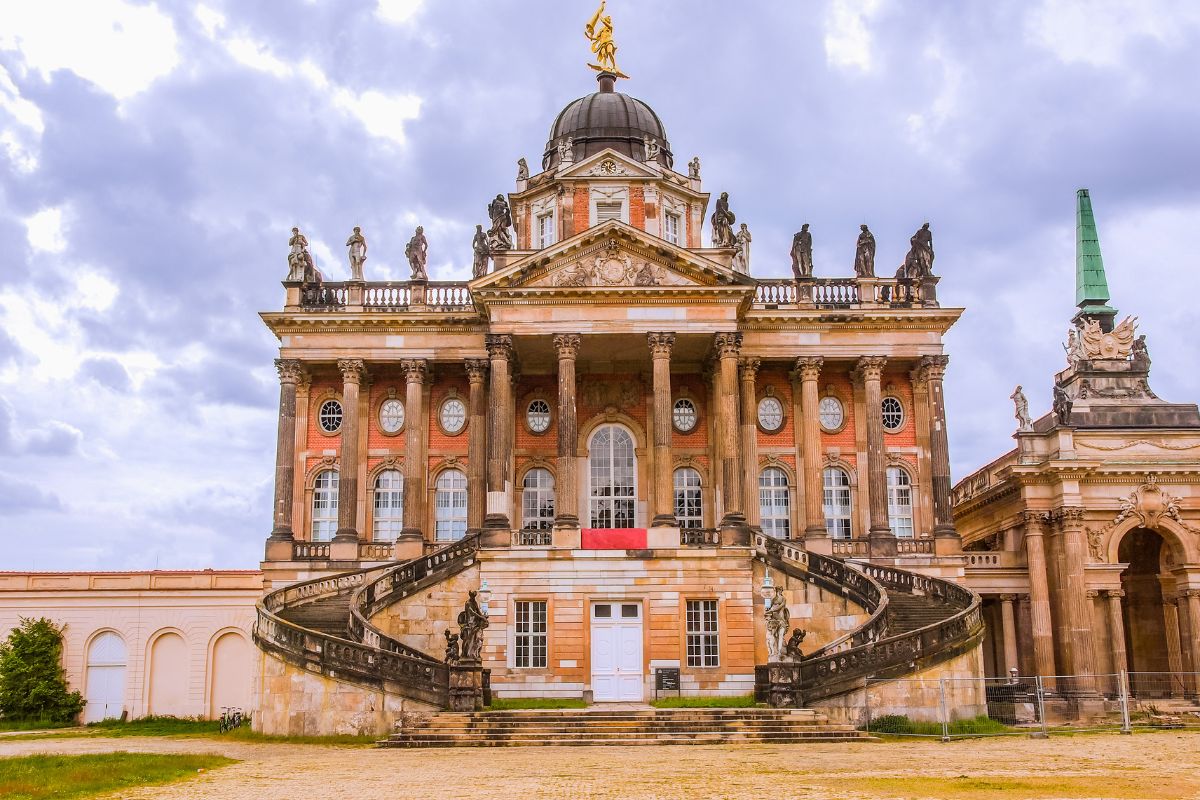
point(105, 678)
point(616, 652)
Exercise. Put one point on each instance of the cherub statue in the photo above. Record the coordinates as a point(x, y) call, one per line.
point(358, 253)
point(452, 652)
point(650, 148)
point(791, 649)
point(566, 150)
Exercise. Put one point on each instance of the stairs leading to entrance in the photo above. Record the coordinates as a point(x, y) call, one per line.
point(600, 726)
point(329, 615)
point(911, 611)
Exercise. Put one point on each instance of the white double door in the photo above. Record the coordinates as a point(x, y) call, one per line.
point(616, 652)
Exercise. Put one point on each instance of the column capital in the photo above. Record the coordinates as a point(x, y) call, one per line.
point(1067, 517)
point(919, 377)
point(870, 368)
point(660, 344)
point(809, 367)
point(933, 368)
point(353, 369)
point(1114, 593)
point(476, 369)
point(415, 369)
point(499, 345)
point(1008, 598)
point(1034, 521)
point(727, 345)
point(567, 345)
point(1091, 594)
point(748, 368)
point(291, 370)
point(1189, 593)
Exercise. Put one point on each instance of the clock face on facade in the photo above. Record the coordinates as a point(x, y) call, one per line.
point(453, 416)
point(831, 413)
point(391, 415)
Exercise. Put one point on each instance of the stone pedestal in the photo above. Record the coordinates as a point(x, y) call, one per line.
point(407, 548)
point(495, 537)
point(568, 537)
point(784, 677)
point(466, 686)
point(662, 538)
point(343, 550)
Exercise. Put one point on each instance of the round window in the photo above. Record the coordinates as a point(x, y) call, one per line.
point(893, 414)
point(453, 416)
point(391, 415)
point(537, 416)
point(330, 416)
point(770, 414)
point(831, 412)
point(684, 415)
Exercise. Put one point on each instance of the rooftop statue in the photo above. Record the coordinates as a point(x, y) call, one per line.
point(480, 253)
point(741, 252)
point(919, 261)
point(1118, 343)
point(599, 31)
point(1141, 353)
point(358, 253)
point(499, 237)
point(522, 170)
point(1021, 409)
point(694, 168)
point(300, 263)
point(864, 254)
point(802, 264)
point(651, 147)
point(722, 223)
point(417, 251)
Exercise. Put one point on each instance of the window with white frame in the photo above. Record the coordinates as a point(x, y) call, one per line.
point(612, 467)
point(329, 416)
point(703, 635)
point(388, 519)
point(688, 507)
point(608, 209)
point(671, 225)
point(450, 506)
point(893, 414)
point(545, 229)
point(537, 500)
point(774, 504)
point(837, 503)
point(325, 506)
point(537, 416)
point(683, 415)
point(531, 637)
point(900, 510)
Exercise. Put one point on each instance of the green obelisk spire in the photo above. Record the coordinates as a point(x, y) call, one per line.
point(1091, 286)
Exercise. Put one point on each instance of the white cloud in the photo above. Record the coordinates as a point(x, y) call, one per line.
point(21, 132)
point(210, 19)
point(1097, 32)
point(847, 37)
point(44, 230)
point(398, 11)
point(120, 47)
point(383, 115)
point(925, 125)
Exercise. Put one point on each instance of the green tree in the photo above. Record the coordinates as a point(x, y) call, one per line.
point(33, 685)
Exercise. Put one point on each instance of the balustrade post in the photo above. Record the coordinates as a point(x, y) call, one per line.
point(353, 371)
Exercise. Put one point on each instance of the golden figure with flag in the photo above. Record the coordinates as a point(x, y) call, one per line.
point(599, 31)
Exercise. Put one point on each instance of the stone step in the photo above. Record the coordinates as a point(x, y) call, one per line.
point(652, 739)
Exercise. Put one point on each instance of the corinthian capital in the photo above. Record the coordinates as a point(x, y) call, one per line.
point(290, 370)
point(809, 367)
point(749, 368)
point(1034, 520)
point(1067, 516)
point(567, 345)
point(476, 369)
point(415, 369)
point(499, 345)
point(933, 368)
point(870, 368)
point(727, 345)
point(660, 344)
point(353, 369)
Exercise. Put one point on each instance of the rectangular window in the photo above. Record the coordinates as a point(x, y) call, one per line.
point(545, 229)
point(702, 635)
point(607, 211)
point(531, 634)
point(671, 228)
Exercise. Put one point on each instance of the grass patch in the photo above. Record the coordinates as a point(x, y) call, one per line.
point(32, 725)
point(65, 777)
point(1032, 787)
point(523, 703)
point(156, 726)
point(247, 735)
point(900, 725)
point(738, 701)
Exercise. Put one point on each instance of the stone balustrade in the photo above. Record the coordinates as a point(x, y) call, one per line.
point(699, 537)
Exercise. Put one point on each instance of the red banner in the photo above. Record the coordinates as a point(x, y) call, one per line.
point(614, 538)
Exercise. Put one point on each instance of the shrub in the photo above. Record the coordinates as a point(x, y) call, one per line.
point(32, 683)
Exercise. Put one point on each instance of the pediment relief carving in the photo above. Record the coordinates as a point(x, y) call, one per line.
point(608, 163)
point(608, 265)
point(1148, 505)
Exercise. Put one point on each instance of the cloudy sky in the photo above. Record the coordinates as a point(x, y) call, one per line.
point(153, 157)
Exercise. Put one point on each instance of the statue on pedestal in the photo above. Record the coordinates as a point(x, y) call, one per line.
point(358, 253)
point(802, 264)
point(417, 252)
point(778, 620)
point(451, 647)
point(722, 223)
point(1141, 354)
point(471, 624)
point(522, 170)
point(694, 168)
point(300, 263)
point(864, 254)
point(1021, 409)
point(480, 252)
point(498, 237)
point(791, 650)
point(741, 253)
point(919, 261)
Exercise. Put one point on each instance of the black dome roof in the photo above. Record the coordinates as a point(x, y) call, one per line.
point(607, 119)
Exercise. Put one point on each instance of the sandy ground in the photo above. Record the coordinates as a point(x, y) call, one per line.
point(1143, 767)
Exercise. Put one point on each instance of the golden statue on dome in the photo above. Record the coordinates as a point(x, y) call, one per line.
point(602, 42)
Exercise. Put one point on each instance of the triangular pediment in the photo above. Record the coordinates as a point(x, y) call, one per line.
point(608, 163)
point(611, 255)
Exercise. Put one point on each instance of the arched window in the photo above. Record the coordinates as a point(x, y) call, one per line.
point(900, 510)
point(537, 500)
point(612, 465)
point(450, 502)
point(388, 519)
point(837, 503)
point(774, 504)
point(688, 507)
point(325, 506)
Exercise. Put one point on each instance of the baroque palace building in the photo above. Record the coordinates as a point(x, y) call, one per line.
point(615, 460)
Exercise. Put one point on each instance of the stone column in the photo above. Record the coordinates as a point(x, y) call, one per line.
point(566, 485)
point(934, 369)
point(1116, 628)
point(353, 372)
point(1174, 633)
point(1192, 596)
point(1039, 593)
point(1079, 612)
point(870, 371)
point(499, 487)
point(663, 496)
point(415, 459)
point(809, 368)
point(728, 346)
point(748, 372)
point(290, 372)
point(477, 369)
point(1008, 622)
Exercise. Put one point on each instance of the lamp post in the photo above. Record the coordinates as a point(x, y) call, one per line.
point(767, 590)
point(485, 594)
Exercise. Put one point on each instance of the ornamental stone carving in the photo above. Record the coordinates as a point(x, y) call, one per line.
point(1092, 342)
point(567, 344)
point(870, 368)
point(290, 370)
point(353, 369)
point(622, 395)
point(809, 367)
point(727, 345)
point(1150, 505)
point(933, 368)
point(660, 344)
point(499, 345)
point(415, 369)
point(748, 367)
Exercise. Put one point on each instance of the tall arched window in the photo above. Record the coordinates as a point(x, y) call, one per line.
point(450, 502)
point(537, 500)
point(612, 495)
point(688, 507)
point(774, 503)
point(900, 510)
point(388, 519)
point(325, 506)
point(837, 503)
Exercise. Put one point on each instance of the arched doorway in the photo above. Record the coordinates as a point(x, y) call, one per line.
point(1151, 625)
point(169, 679)
point(232, 674)
point(106, 659)
point(612, 478)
